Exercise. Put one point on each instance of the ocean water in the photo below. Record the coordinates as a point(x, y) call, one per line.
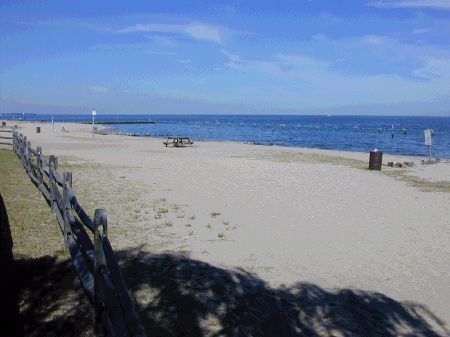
point(394, 135)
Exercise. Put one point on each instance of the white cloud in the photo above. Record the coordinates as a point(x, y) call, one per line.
point(196, 31)
point(160, 53)
point(375, 39)
point(436, 4)
point(183, 61)
point(319, 37)
point(421, 30)
point(288, 80)
point(98, 89)
point(434, 69)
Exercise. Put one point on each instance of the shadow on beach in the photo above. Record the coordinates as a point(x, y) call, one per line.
point(39, 296)
point(190, 297)
point(179, 296)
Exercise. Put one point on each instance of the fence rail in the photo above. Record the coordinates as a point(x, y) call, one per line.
point(95, 262)
point(4, 138)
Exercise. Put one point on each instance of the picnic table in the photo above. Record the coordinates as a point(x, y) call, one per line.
point(178, 141)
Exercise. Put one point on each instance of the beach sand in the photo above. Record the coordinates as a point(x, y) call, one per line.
point(286, 215)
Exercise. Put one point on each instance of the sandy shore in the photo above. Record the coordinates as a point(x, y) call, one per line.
point(287, 215)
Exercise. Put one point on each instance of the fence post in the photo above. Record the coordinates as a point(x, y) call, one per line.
point(29, 154)
point(39, 164)
point(14, 140)
point(67, 207)
point(52, 165)
point(24, 147)
point(100, 220)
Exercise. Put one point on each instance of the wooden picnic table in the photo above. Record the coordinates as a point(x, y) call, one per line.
point(178, 141)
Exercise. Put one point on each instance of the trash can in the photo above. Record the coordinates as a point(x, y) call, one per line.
point(3, 123)
point(375, 160)
point(38, 129)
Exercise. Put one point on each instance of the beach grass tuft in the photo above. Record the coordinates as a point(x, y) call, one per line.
point(215, 214)
point(163, 210)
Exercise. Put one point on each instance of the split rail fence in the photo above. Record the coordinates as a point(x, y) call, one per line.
point(5, 136)
point(95, 263)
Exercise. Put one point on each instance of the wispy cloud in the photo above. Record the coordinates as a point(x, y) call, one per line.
point(421, 30)
point(98, 89)
point(436, 4)
point(160, 53)
point(161, 39)
point(376, 39)
point(183, 61)
point(196, 31)
point(304, 80)
point(282, 65)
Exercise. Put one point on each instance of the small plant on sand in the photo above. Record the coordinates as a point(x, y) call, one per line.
point(61, 252)
point(215, 214)
point(162, 210)
point(226, 223)
point(188, 225)
point(157, 216)
point(192, 217)
point(221, 236)
point(168, 223)
point(190, 233)
point(180, 216)
point(208, 226)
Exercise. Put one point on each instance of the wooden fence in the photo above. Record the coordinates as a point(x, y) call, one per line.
point(95, 263)
point(5, 136)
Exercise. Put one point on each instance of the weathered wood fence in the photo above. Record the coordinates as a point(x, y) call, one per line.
point(5, 136)
point(95, 263)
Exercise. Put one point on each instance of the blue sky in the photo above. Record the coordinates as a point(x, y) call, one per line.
point(245, 57)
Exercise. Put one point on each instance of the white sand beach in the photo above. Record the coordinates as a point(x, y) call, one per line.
point(287, 215)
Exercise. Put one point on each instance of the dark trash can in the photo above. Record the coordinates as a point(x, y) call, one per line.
point(38, 129)
point(3, 123)
point(375, 160)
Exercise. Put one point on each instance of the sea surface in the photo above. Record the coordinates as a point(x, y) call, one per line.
point(395, 135)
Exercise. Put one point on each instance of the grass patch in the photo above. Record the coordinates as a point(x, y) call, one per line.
point(417, 182)
point(215, 214)
point(34, 228)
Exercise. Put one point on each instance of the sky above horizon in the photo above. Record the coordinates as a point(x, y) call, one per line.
point(219, 57)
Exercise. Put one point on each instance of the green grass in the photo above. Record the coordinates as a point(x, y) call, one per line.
point(34, 228)
point(215, 214)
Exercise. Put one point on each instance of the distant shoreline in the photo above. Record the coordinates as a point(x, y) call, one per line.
point(111, 128)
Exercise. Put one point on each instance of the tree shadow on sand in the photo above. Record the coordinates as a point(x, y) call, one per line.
point(179, 296)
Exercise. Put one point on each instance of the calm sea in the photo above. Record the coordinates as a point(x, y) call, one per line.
point(395, 135)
